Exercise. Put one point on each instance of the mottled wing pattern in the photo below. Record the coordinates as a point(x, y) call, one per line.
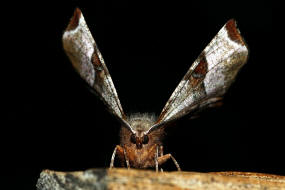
point(86, 58)
point(210, 75)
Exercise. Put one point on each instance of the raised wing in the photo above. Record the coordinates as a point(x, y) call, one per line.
point(209, 77)
point(86, 58)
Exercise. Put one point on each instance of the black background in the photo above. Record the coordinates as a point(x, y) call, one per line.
point(54, 122)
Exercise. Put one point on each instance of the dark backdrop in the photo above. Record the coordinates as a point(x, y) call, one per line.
point(54, 122)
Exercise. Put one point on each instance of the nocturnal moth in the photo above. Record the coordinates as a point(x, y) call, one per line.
point(204, 84)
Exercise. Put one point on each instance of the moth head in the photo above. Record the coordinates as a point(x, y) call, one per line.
point(140, 124)
point(139, 141)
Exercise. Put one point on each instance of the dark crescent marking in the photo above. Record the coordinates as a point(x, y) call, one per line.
point(96, 61)
point(200, 71)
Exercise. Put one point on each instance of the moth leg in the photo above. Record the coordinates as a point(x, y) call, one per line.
point(127, 159)
point(113, 158)
point(161, 150)
point(156, 159)
point(166, 157)
point(175, 162)
point(118, 150)
point(161, 154)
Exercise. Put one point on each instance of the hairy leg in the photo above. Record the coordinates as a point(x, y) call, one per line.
point(118, 150)
point(127, 159)
point(156, 159)
point(161, 150)
point(166, 157)
point(161, 154)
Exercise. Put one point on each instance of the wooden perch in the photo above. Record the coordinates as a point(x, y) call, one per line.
point(144, 179)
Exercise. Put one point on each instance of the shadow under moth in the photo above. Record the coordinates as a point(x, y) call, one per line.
point(204, 84)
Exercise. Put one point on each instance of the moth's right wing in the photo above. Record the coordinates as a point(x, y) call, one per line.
point(86, 58)
point(209, 77)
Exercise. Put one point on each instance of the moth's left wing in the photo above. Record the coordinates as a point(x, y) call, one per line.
point(209, 77)
point(86, 58)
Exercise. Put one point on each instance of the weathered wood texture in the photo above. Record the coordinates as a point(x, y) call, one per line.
point(144, 179)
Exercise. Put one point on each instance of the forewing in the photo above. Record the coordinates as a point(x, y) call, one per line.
point(210, 75)
point(86, 58)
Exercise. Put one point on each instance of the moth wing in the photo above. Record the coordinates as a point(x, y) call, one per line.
point(87, 60)
point(209, 77)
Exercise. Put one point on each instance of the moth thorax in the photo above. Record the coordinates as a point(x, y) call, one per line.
point(141, 122)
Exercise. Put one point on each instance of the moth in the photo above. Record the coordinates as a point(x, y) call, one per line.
point(204, 84)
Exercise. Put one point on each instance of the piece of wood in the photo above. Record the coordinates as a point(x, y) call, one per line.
point(145, 179)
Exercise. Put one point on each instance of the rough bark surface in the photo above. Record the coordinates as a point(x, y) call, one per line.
point(121, 179)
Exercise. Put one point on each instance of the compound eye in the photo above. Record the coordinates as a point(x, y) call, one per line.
point(133, 139)
point(145, 139)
